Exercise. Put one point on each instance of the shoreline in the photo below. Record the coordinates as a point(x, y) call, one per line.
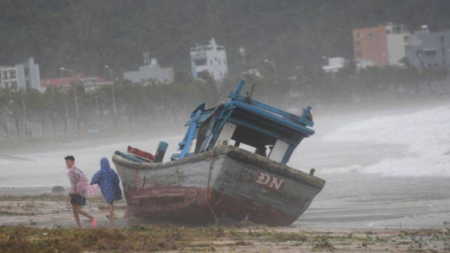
point(45, 223)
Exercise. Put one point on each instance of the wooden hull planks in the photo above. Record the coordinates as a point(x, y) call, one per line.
point(225, 181)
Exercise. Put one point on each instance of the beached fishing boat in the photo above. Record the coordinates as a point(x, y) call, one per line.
point(231, 163)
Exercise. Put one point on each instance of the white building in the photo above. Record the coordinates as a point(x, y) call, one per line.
point(21, 76)
point(150, 72)
point(334, 64)
point(211, 58)
point(397, 39)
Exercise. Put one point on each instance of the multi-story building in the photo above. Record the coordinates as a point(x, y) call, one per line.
point(429, 50)
point(21, 76)
point(211, 58)
point(149, 73)
point(382, 45)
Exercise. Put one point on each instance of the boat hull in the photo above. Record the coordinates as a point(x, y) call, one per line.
point(225, 181)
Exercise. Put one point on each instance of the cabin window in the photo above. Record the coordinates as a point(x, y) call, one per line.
point(253, 140)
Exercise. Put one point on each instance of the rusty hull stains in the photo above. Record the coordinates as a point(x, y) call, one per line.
point(179, 191)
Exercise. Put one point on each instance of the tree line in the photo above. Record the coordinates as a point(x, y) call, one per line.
point(29, 113)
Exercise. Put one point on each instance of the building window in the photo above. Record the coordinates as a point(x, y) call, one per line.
point(200, 62)
point(13, 74)
point(419, 53)
point(431, 52)
point(358, 53)
point(357, 44)
point(14, 85)
point(397, 30)
point(219, 62)
point(27, 83)
point(407, 39)
point(370, 34)
point(388, 31)
point(5, 75)
point(442, 39)
point(359, 35)
point(27, 72)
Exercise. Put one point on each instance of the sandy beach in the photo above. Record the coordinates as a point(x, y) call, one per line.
point(44, 223)
point(39, 216)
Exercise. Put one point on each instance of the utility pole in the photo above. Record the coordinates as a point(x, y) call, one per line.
point(66, 116)
point(76, 96)
point(25, 123)
point(113, 93)
point(274, 70)
point(98, 110)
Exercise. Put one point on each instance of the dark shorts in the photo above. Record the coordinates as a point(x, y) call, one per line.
point(78, 200)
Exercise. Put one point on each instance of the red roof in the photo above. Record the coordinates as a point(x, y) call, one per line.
point(55, 82)
point(60, 82)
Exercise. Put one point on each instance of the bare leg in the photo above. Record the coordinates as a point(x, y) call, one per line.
point(111, 211)
point(75, 214)
point(84, 213)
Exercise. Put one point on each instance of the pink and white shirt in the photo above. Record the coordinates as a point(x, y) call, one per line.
point(78, 181)
point(80, 184)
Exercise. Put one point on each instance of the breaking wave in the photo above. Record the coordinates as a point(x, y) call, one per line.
point(426, 134)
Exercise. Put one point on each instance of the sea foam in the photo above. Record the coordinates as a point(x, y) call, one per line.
point(426, 134)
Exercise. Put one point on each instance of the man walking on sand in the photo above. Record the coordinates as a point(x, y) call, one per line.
point(78, 182)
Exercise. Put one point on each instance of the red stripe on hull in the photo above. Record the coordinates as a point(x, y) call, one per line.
point(189, 205)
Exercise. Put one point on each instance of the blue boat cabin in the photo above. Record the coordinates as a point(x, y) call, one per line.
point(271, 132)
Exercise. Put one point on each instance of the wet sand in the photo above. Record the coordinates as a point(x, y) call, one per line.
point(41, 215)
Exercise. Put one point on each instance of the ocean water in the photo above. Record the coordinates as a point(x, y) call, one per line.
point(47, 169)
point(383, 169)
